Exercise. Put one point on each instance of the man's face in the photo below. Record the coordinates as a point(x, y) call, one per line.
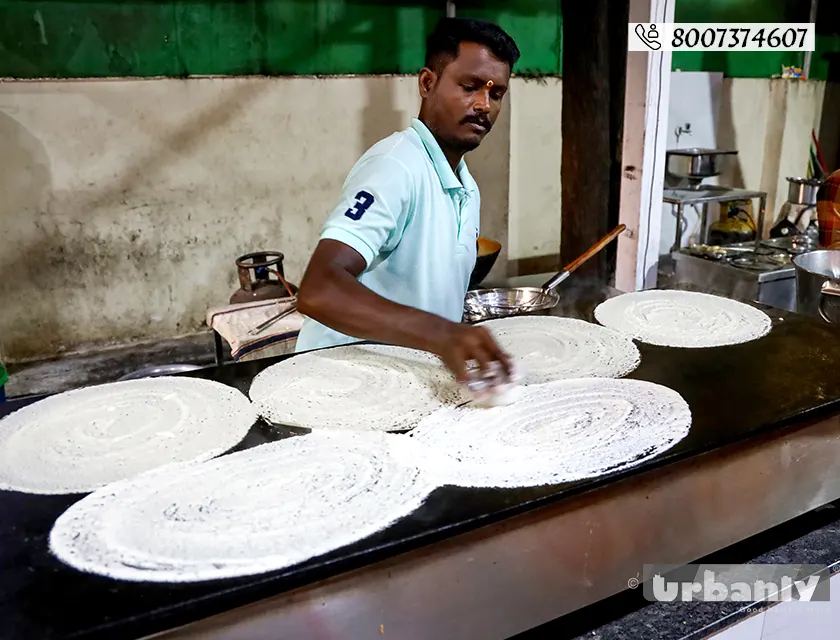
point(462, 102)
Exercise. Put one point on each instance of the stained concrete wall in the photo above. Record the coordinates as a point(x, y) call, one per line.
point(769, 122)
point(535, 151)
point(124, 203)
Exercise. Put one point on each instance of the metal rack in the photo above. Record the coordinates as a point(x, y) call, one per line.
point(703, 194)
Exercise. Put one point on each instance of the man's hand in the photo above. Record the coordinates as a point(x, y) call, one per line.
point(331, 294)
point(460, 345)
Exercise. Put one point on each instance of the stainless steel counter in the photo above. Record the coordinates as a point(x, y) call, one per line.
point(776, 288)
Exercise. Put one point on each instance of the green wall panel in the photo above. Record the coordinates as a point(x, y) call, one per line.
point(536, 25)
point(758, 64)
point(87, 39)
point(101, 38)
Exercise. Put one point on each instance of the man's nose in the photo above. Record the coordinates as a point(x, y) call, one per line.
point(482, 100)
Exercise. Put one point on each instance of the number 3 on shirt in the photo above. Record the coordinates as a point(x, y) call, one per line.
point(363, 202)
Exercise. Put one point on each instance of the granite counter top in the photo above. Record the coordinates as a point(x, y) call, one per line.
point(798, 350)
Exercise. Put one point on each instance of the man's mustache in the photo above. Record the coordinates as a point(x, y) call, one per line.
point(483, 121)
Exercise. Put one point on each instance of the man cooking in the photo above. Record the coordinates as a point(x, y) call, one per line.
point(395, 256)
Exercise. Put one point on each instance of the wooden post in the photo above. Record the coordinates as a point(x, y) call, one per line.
point(594, 67)
point(645, 136)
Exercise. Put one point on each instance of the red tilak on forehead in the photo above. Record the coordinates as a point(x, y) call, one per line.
point(489, 83)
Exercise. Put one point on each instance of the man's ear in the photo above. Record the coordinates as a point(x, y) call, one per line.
point(426, 81)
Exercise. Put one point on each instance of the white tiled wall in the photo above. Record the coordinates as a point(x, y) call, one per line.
point(792, 621)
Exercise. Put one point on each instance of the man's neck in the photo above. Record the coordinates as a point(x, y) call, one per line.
point(453, 156)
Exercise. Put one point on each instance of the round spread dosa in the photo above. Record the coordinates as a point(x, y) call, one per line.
point(358, 387)
point(688, 319)
point(555, 432)
point(547, 348)
point(80, 440)
point(253, 511)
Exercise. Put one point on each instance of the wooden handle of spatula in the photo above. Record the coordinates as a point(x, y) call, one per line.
point(595, 248)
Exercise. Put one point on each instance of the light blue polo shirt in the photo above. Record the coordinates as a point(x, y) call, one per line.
point(413, 220)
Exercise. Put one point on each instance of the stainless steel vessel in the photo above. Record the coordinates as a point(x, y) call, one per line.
point(695, 163)
point(486, 304)
point(803, 190)
point(818, 284)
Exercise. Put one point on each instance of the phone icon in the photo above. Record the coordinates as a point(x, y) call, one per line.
point(651, 38)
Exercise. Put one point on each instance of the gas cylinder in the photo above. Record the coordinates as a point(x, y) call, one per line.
point(255, 272)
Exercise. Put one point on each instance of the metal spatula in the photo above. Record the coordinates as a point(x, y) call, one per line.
point(286, 312)
point(560, 276)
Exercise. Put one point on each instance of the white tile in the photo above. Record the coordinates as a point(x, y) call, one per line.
point(805, 620)
point(811, 620)
point(748, 629)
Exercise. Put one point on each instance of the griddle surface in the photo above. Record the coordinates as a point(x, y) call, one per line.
point(790, 376)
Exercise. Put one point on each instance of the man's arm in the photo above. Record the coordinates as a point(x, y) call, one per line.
point(331, 294)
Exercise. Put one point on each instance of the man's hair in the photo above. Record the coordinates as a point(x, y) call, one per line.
point(443, 44)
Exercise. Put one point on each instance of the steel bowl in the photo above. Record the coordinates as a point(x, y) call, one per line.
point(486, 304)
point(487, 251)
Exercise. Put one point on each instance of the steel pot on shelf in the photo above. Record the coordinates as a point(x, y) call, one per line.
point(695, 163)
point(803, 190)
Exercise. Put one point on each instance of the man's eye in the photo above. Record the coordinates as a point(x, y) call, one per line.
point(469, 87)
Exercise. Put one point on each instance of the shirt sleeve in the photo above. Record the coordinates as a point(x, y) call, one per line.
point(373, 208)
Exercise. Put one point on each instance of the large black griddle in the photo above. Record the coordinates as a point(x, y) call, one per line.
point(789, 377)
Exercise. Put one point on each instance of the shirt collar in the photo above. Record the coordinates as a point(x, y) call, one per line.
point(447, 177)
